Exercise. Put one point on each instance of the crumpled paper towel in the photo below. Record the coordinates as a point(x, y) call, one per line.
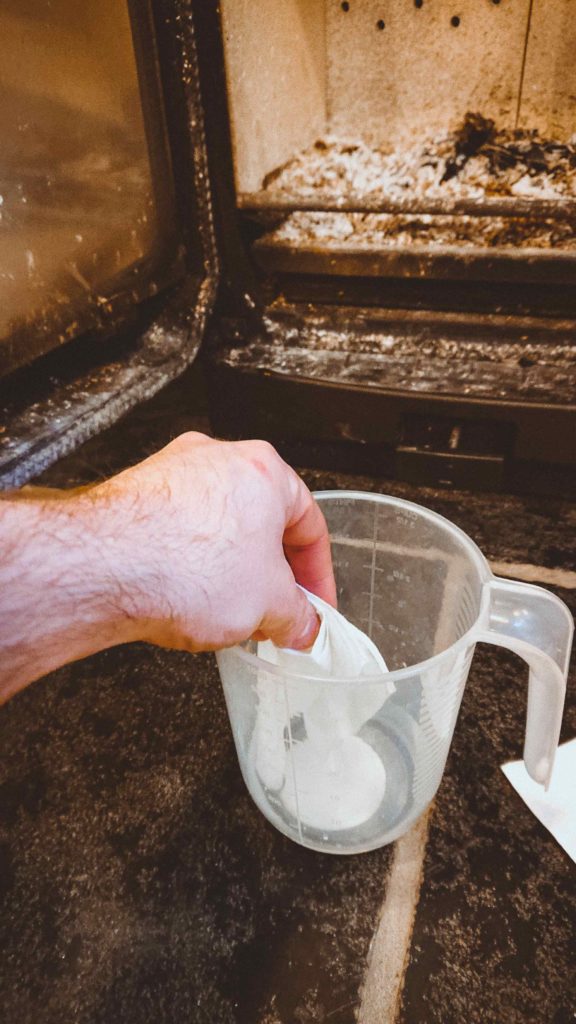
point(556, 807)
point(340, 780)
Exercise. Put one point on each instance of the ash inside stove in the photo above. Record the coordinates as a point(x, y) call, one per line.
point(477, 161)
point(380, 230)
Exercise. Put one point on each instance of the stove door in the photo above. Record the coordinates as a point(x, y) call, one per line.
point(108, 264)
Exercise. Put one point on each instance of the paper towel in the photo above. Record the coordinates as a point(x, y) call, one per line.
point(556, 807)
point(340, 779)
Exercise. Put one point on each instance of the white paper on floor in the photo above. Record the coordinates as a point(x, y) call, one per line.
point(556, 808)
point(340, 780)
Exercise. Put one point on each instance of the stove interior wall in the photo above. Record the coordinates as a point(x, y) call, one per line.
point(549, 87)
point(276, 72)
point(393, 73)
point(425, 68)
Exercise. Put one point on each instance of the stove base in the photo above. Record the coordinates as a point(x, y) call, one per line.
point(444, 401)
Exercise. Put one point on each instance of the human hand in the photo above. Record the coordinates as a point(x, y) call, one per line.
point(212, 537)
point(198, 547)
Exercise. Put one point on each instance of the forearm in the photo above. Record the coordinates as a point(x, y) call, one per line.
point(61, 591)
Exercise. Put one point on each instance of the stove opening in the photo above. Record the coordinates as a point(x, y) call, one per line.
point(402, 139)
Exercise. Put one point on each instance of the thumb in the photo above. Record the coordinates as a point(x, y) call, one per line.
point(293, 622)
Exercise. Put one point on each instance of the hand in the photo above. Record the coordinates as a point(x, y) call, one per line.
point(215, 536)
point(198, 547)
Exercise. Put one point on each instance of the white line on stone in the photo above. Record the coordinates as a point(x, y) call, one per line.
point(535, 574)
point(390, 946)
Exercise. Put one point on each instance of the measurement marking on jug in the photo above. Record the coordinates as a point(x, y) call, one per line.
point(373, 573)
point(430, 554)
point(565, 578)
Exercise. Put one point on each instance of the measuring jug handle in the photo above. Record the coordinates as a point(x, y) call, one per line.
point(538, 626)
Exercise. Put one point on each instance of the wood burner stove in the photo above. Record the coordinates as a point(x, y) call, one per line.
point(385, 193)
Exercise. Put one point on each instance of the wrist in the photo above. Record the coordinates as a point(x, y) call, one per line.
point(61, 595)
point(125, 515)
point(111, 552)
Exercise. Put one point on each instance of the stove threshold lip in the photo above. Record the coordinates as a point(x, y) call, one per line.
point(447, 249)
point(467, 263)
point(452, 401)
point(281, 311)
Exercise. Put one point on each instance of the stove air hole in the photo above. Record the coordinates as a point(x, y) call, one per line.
point(455, 21)
point(380, 25)
point(345, 6)
point(418, 3)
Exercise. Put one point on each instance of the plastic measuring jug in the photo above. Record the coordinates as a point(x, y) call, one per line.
point(345, 765)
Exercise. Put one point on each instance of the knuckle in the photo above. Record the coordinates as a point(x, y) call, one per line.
point(188, 439)
point(265, 450)
point(263, 458)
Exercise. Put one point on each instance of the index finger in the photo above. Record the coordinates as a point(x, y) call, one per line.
point(307, 546)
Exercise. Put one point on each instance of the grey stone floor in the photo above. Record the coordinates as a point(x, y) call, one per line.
point(138, 882)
